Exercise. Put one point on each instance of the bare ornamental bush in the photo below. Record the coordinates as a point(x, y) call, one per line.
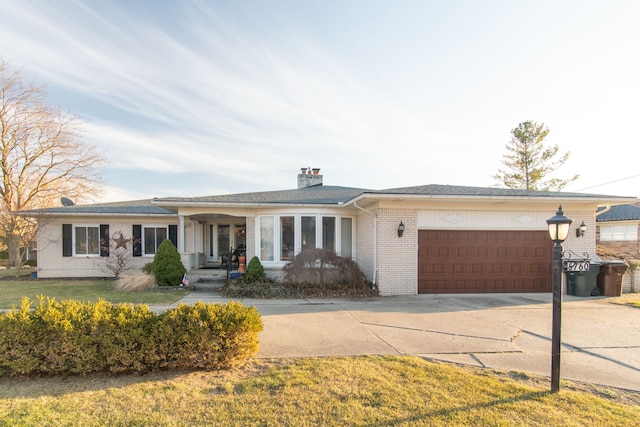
point(322, 270)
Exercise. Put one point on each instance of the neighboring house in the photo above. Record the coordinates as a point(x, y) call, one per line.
point(618, 238)
point(455, 239)
point(617, 234)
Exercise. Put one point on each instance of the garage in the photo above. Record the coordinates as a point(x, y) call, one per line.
point(479, 261)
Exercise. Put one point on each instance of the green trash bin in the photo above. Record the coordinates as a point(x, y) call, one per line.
point(583, 283)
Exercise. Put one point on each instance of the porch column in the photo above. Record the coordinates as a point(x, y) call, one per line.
point(181, 234)
point(194, 224)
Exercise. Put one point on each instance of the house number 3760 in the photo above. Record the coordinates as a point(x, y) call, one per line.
point(577, 265)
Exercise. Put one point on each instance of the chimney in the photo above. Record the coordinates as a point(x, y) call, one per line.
point(309, 177)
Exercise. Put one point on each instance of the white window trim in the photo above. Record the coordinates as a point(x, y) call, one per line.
point(73, 240)
point(277, 244)
point(144, 237)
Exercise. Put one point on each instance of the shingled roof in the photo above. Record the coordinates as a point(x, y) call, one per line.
point(319, 195)
point(620, 213)
point(315, 195)
point(464, 191)
point(132, 207)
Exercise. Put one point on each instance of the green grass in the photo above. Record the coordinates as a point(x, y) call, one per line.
point(23, 272)
point(344, 391)
point(12, 292)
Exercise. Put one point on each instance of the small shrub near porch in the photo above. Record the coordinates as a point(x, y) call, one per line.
point(312, 273)
point(167, 266)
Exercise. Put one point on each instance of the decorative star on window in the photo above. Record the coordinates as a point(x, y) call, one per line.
point(121, 242)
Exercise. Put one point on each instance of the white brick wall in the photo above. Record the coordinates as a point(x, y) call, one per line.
point(51, 263)
point(397, 256)
point(364, 247)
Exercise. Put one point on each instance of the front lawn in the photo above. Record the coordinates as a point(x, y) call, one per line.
point(631, 299)
point(342, 391)
point(12, 292)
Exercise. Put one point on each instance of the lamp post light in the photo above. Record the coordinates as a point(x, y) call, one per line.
point(558, 231)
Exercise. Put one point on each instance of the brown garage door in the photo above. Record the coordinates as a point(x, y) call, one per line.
point(484, 261)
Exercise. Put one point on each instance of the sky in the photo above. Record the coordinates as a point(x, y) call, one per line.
point(197, 98)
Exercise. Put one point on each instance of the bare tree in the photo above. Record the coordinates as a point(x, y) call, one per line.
point(119, 255)
point(42, 158)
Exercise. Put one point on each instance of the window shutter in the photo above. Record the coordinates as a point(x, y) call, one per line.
point(67, 240)
point(137, 240)
point(105, 240)
point(173, 234)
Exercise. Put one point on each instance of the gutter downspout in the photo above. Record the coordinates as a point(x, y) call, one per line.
point(375, 241)
point(606, 209)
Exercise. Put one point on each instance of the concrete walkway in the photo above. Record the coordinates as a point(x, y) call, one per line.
point(601, 340)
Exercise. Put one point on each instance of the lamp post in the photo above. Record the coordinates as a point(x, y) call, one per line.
point(558, 231)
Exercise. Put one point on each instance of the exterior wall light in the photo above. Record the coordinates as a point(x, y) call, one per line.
point(581, 230)
point(558, 231)
point(400, 229)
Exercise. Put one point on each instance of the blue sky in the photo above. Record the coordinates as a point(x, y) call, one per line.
point(194, 98)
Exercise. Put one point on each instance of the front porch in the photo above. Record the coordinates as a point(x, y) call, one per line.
point(209, 275)
point(206, 240)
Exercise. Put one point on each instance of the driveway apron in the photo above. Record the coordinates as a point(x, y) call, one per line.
point(600, 340)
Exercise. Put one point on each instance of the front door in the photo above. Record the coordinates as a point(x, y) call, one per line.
point(224, 236)
point(223, 239)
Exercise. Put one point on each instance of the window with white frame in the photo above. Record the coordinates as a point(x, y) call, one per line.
point(86, 240)
point(624, 232)
point(152, 237)
point(283, 236)
point(267, 234)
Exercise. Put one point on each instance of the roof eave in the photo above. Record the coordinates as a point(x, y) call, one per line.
point(601, 201)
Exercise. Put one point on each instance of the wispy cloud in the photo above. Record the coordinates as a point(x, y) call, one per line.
point(227, 103)
point(206, 94)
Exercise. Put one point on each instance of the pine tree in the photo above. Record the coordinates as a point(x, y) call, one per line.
point(529, 161)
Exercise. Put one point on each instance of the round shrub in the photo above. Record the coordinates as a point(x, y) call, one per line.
point(167, 265)
point(255, 271)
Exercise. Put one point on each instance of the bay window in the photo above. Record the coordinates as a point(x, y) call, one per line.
point(266, 238)
point(308, 232)
point(281, 237)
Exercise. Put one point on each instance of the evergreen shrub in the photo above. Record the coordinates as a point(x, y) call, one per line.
point(167, 266)
point(255, 271)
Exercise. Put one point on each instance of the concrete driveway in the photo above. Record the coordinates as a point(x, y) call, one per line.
point(601, 340)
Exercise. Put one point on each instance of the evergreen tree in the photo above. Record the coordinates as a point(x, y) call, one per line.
point(167, 265)
point(529, 161)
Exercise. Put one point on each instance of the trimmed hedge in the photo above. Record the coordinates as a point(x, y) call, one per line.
point(72, 337)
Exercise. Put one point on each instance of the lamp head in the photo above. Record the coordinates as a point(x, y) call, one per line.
point(559, 226)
